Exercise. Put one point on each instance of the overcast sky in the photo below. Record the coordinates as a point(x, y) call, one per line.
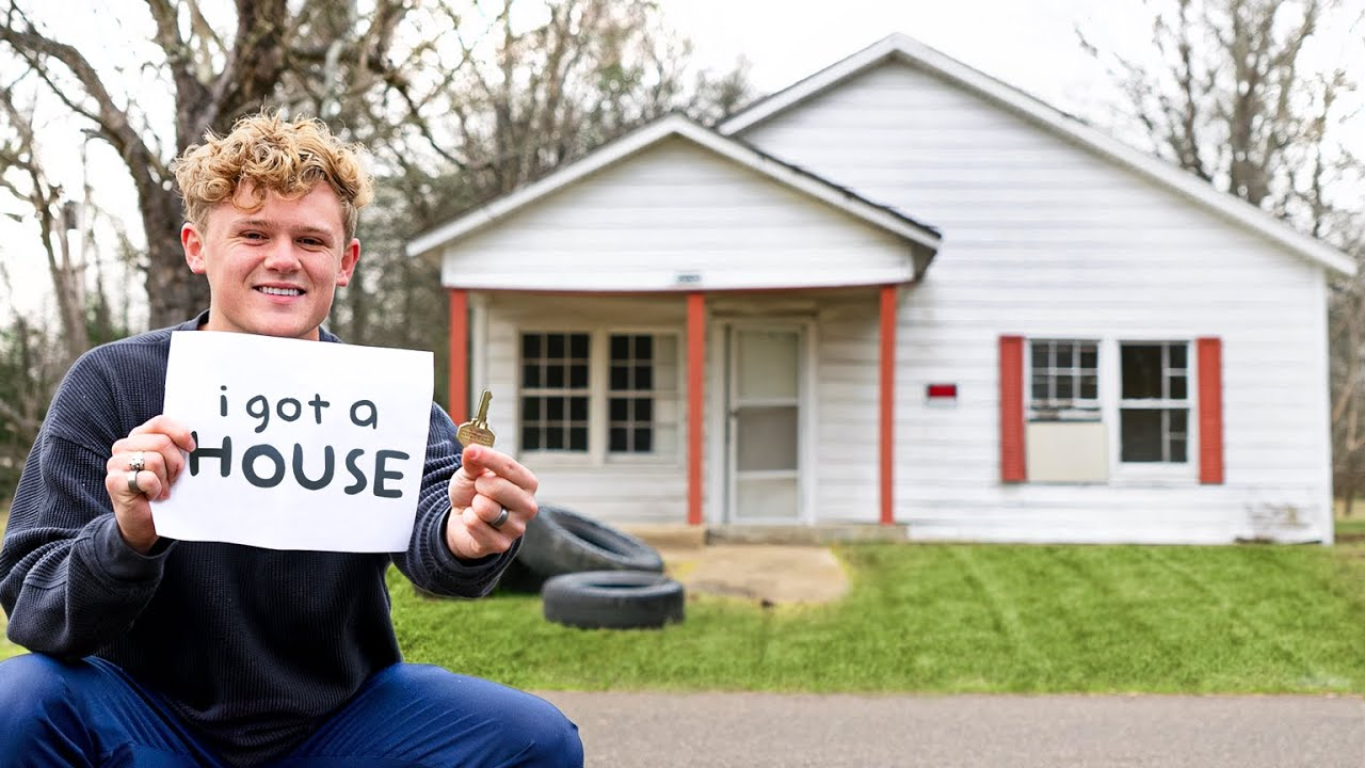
point(1029, 44)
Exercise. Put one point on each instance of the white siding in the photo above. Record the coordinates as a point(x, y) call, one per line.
point(1043, 239)
point(676, 216)
point(847, 410)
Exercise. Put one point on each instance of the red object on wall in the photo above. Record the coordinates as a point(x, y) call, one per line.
point(458, 399)
point(941, 391)
point(1012, 410)
point(1209, 359)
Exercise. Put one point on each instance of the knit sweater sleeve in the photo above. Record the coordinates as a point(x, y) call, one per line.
point(428, 562)
point(68, 581)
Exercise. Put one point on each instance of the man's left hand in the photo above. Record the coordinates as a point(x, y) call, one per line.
point(487, 483)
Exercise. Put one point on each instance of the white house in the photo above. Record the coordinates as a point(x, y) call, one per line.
point(899, 292)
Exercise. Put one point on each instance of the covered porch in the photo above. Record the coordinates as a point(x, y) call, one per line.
point(759, 406)
point(683, 323)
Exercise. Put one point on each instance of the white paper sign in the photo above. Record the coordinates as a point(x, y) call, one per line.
point(300, 444)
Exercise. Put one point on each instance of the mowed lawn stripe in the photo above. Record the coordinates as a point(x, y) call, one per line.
point(1270, 604)
point(1076, 620)
point(1108, 620)
point(1247, 602)
point(1004, 593)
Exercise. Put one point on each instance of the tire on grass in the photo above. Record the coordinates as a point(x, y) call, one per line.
point(613, 600)
point(519, 579)
point(559, 541)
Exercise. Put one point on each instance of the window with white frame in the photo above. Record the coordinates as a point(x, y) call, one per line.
point(1154, 404)
point(1064, 380)
point(555, 391)
point(610, 393)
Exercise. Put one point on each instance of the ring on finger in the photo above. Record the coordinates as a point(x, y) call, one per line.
point(133, 486)
point(138, 462)
point(497, 522)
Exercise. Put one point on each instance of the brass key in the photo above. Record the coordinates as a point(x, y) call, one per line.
point(477, 431)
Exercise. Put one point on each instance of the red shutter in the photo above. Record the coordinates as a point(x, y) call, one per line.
point(458, 396)
point(1209, 370)
point(1012, 410)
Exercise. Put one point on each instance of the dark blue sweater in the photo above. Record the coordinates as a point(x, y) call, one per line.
point(252, 647)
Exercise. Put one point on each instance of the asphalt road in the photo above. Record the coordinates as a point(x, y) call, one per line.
point(622, 730)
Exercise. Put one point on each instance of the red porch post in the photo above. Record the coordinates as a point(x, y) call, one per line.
point(697, 346)
point(887, 401)
point(457, 403)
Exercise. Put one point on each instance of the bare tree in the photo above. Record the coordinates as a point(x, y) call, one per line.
point(1347, 349)
point(216, 78)
point(1235, 100)
point(23, 176)
point(31, 364)
point(502, 104)
point(1232, 100)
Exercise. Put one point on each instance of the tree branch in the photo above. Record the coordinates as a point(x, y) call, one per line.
point(255, 64)
point(190, 90)
point(113, 121)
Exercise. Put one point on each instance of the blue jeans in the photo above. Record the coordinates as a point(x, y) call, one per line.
point(91, 713)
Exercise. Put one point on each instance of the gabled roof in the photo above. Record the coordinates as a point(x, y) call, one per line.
point(670, 126)
point(899, 47)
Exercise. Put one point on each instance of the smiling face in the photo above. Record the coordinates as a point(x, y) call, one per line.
point(272, 271)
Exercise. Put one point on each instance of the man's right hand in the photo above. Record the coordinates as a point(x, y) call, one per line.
point(158, 443)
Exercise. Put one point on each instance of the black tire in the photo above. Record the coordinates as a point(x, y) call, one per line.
point(559, 541)
point(613, 600)
point(520, 579)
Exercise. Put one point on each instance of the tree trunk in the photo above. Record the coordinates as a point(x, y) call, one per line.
point(174, 293)
point(68, 280)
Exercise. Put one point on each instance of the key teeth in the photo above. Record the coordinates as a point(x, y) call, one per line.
point(483, 415)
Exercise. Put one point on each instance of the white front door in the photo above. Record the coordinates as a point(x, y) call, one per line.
point(764, 427)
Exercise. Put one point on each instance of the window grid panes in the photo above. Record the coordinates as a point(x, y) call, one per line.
point(633, 378)
point(1064, 380)
point(631, 398)
point(1154, 408)
point(555, 391)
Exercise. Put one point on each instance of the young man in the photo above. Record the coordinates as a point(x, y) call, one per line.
point(148, 651)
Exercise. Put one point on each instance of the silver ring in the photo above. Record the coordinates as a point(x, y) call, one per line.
point(498, 521)
point(138, 463)
point(133, 481)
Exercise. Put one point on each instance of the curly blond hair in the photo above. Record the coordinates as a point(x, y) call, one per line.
point(287, 157)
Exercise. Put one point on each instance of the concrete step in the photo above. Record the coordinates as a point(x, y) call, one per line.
point(667, 535)
point(676, 536)
point(807, 535)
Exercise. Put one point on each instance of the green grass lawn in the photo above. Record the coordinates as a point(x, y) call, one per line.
point(957, 618)
point(951, 619)
point(1349, 527)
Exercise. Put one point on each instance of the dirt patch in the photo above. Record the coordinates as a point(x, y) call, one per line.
point(767, 573)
